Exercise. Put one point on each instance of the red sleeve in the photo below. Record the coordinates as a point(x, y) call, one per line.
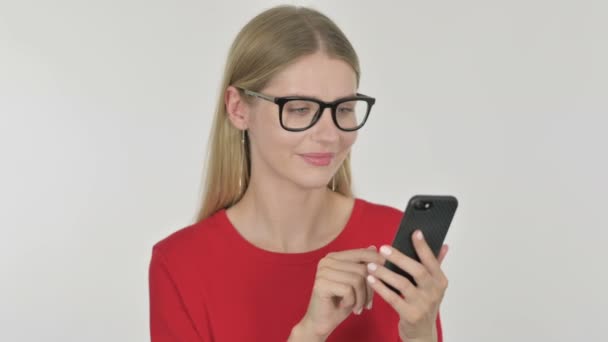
point(439, 329)
point(169, 318)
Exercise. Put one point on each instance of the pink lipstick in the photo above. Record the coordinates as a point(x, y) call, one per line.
point(318, 159)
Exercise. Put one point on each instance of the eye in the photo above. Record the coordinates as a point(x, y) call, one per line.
point(301, 110)
point(346, 109)
point(300, 107)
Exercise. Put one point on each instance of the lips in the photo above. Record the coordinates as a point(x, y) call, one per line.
point(318, 159)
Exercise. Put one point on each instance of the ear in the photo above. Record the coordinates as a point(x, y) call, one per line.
point(237, 108)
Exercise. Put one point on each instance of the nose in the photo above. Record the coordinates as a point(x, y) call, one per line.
point(325, 129)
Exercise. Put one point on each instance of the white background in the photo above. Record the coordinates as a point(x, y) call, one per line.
point(105, 113)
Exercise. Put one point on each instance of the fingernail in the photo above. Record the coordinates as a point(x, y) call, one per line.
point(369, 306)
point(372, 267)
point(358, 312)
point(371, 279)
point(386, 250)
point(371, 247)
point(419, 235)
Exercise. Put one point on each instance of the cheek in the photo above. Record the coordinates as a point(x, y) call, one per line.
point(264, 123)
point(273, 142)
point(348, 140)
point(277, 138)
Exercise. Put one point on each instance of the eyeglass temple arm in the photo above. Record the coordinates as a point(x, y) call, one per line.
point(253, 93)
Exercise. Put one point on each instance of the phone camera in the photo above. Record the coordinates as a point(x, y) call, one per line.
point(422, 205)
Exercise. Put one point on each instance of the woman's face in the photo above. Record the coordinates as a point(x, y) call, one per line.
point(309, 158)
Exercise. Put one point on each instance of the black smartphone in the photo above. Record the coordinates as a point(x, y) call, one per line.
point(433, 216)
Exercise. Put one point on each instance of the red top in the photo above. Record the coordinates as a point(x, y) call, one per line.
point(207, 283)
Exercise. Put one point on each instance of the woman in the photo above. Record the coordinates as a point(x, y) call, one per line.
point(281, 250)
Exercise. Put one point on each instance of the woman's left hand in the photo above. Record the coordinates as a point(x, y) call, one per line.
point(419, 305)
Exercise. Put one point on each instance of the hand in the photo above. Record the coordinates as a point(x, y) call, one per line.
point(419, 306)
point(339, 289)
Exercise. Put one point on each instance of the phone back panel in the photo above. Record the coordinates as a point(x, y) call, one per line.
point(433, 221)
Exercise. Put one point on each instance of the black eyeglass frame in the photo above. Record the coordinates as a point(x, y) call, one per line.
point(281, 101)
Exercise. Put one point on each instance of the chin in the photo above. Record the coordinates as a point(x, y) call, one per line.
point(311, 183)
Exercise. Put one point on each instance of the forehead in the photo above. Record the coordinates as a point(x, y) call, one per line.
point(315, 75)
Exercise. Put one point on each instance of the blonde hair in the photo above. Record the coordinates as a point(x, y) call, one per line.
point(267, 44)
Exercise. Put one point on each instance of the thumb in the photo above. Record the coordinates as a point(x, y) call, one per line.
point(442, 253)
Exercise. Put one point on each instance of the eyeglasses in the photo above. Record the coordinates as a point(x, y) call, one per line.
point(298, 113)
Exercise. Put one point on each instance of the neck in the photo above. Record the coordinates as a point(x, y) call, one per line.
point(279, 216)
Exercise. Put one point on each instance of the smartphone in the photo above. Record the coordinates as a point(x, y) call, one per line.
point(433, 216)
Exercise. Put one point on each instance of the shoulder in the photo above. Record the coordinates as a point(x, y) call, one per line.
point(193, 242)
point(372, 223)
point(384, 218)
point(379, 212)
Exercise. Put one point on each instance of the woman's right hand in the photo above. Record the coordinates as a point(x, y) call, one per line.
point(340, 288)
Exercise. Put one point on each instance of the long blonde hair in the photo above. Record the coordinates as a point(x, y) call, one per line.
point(267, 44)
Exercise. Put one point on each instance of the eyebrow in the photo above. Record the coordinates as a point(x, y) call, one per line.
point(316, 97)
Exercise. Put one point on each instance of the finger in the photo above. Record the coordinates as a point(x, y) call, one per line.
point(443, 280)
point(412, 313)
point(370, 291)
point(393, 299)
point(370, 296)
point(354, 268)
point(442, 253)
point(362, 255)
point(409, 265)
point(328, 289)
point(355, 281)
point(397, 281)
point(426, 255)
point(414, 297)
point(346, 266)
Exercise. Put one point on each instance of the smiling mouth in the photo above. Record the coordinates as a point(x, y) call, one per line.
point(318, 159)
